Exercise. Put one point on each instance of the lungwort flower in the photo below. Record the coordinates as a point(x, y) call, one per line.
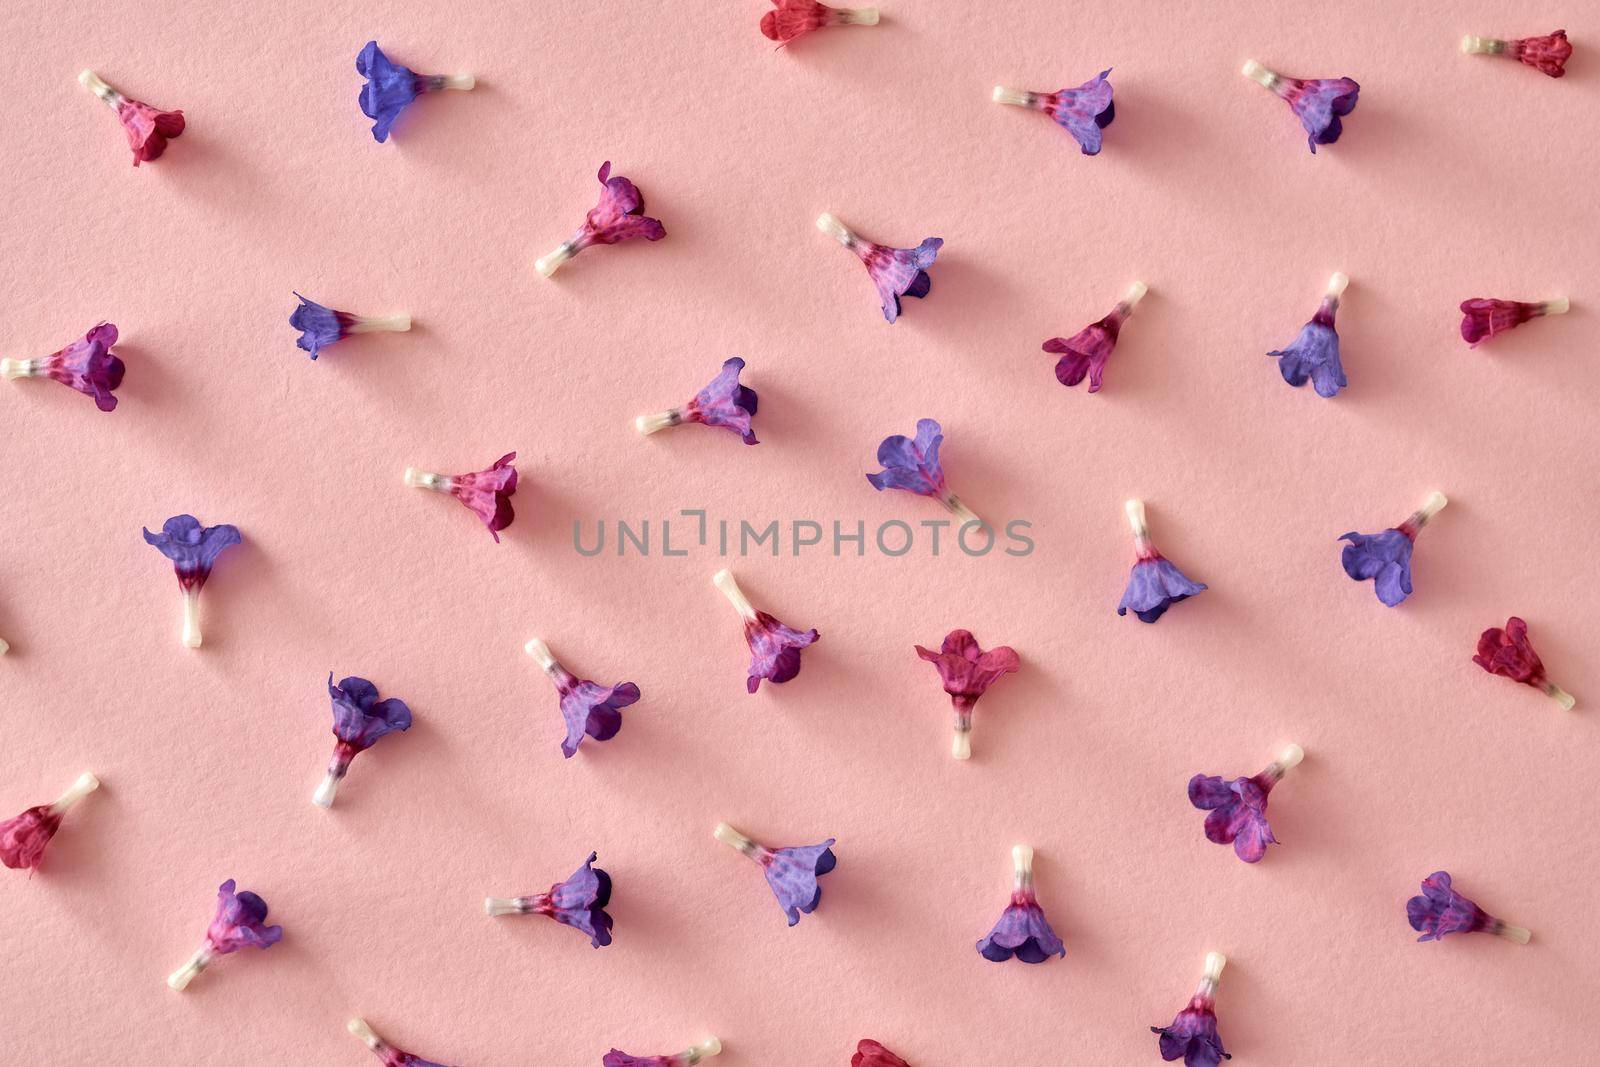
point(723, 403)
point(588, 708)
point(1314, 355)
point(579, 902)
point(967, 672)
point(23, 838)
point(487, 494)
point(1237, 809)
point(359, 720)
point(796, 18)
point(1155, 583)
point(88, 365)
point(1022, 931)
point(792, 873)
point(687, 1058)
point(148, 128)
point(320, 326)
point(1082, 112)
point(391, 1056)
point(1086, 352)
point(774, 647)
point(1483, 317)
point(390, 88)
point(912, 465)
point(871, 1054)
point(1548, 54)
point(617, 217)
point(895, 272)
point(1440, 910)
point(1508, 652)
point(1386, 557)
point(193, 549)
point(1317, 102)
point(239, 923)
point(1192, 1037)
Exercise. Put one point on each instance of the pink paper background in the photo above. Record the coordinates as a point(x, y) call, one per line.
point(1456, 177)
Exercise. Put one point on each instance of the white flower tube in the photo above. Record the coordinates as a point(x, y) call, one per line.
point(180, 978)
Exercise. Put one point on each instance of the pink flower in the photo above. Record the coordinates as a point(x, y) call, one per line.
point(796, 18)
point(240, 922)
point(774, 647)
point(23, 839)
point(1319, 103)
point(967, 672)
point(871, 1054)
point(895, 272)
point(1087, 351)
point(723, 402)
point(88, 365)
point(687, 1058)
point(1508, 652)
point(1548, 54)
point(1483, 317)
point(148, 128)
point(617, 217)
point(486, 493)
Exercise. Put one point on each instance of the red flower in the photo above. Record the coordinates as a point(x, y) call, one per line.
point(796, 18)
point(148, 128)
point(871, 1054)
point(967, 671)
point(1508, 652)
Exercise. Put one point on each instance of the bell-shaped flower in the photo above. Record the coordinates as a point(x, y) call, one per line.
point(1086, 352)
point(1192, 1037)
point(391, 1056)
point(1317, 102)
point(1547, 54)
point(1082, 112)
point(23, 838)
point(487, 494)
point(774, 647)
point(724, 402)
point(579, 902)
point(1440, 910)
point(796, 18)
point(1238, 808)
point(1386, 557)
point(193, 549)
point(88, 365)
point(1155, 584)
point(912, 465)
point(390, 88)
point(871, 1054)
point(1314, 355)
point(895, 272)
point(1508, 652)
point(588, 708)
point(617, 217)
point(359, 720)
point(239, 923)
point(320, 326)
point(791, 873)
point(687, 1058)
point(1022, 931)
point(967, 672)
point(148, 128)
point(1483, 317)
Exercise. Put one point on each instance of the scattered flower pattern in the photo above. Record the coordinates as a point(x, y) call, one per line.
point(1022, 931)
point(88, 365)
point(1440, 910)
point(1087, 351)
point(617, 217)
point(967, 672)
point(792, 873)
point(1314, 355)
point(1318, 103)
point(1508, 652)
point(390, 88)
point(895, 272)
point(1082, 112)
point(1386, 557)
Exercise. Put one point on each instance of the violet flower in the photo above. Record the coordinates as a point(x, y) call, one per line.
point(687, 1058)
point(193, 549)
point(487, 494)
point(238, 924)
point(88, 365)
point(1508, 652)
point(871, 1054)
point(1022, 931)
point(723, 403)
point(617, 217)
point(1238, 808)
point(1082, 112)
point(320, 327)
point(588, 708)
point(1440, 910)
point(24, 837)
point(796, 18)
point(359, 720)
point(913, 465)
point(1192, 1037)
point(579, 902)
point(391, 1056)
point(1087, 351)
point(1314, 355)
point(1386, 557)
point(792, 873)
point(967, 672)
point(1317, 102)
point(896, 272)
point(390, 88)
point(148, 128)
point(1548, 54)
point(1155, 583)
point(774, 647)
point(1483, 317)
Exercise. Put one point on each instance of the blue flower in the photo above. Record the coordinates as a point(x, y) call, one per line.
point(1314, 355)
point(792, 874)
point(912, 465)
point(1384, 557)
point(1154, 586)
point(359, 717)
point(391, 87)
point(318, 325)
point(191, 547)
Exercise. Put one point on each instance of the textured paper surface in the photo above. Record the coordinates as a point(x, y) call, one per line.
point(1457, 177)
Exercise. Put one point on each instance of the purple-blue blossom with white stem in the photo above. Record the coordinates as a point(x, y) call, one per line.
point(774, 647)
point(1314, 354)
point(240, 922)
point(724, 402)
point(587, 707)
point(1192, 1037)
point(1155, 583)
point(791, 873)
point(1023, 931)
point(193, 549)
point(1385, 557)
point(579, 902)
point(389, 1054)
point(912, 465)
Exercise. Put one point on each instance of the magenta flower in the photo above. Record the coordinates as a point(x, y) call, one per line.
point(23, 838)
point(967, 672)
point(1508, 652)
point(912, 465)
point(896, 272)
point(391, 1056)
point(193, 550)
point(617, 217)
point(359, 720)
point(1440, 910)
point(588, 708)
point(1155, 583)
point(1238, 807)
point(792, 873)
point(487, 494)
point(687, 1058)
point(1192, 1037)
point(322, 326)
point(1483, 317)
point(1386, 557)
point(579, 902)
point(89, 366)
point(1087, 351)
point(723, 403)
point(1022, 931)
point(238, 924)
point(1548, 54)
point(148, 128)
point(774, 647)
point(1082, 112)
point(796, 18)
point(871, 1054)
point(1314, 355)
point(1317, 102)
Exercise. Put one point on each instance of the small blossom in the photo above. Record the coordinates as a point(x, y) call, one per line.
point(579, 902)
point(1508, 652)
point(23, 838)
point(1155, 583)
point(359, 720)
point(320, 327)
point(1483, 317)
point(967, 672)
point(1316, 102)
point(193, 549)
point(1022, 931)
point(238, 924)
point(148, 128)
point(896, 272)
point(1548, 54)
point(588, 708)
point(88, 365)
point(913, 466)
point(390, 88)
point(774, 647)
point(1386, 557)
point(796, 18)
point(792, 873)
point(1192, 1037)
point(687, 1058)
point(487, 494)
point(1238, 808)
point(1440, 910)
point(1087, 351)
point(1314, 355)
point(723, 403)
point(391, 1056)
point(617, 217)
point(871, 1054)
point(1082, 112)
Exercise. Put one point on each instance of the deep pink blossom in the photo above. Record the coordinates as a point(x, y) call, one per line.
point(967, 672)
point(871, 1054)
point(88, 365)
point(1082, 112)
point(148, 128)
point(1483, 317)
point(617, 217)
point(796, 18)
point(486, 493)
point(23, 838)
point(1086, 352)
point(687, 1058)
point(1547, 54)
point(895, 272)
point(774, 647)
point(1508, 652)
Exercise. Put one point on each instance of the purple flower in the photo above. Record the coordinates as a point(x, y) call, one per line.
point(913, 465)
point(193, 549)
point(1022, 931)
point(391, 1056)
point(390, 88)
point(1316, 102)
point(359, 720)
point(1386, 557)
point(619, 216)
point(1082, 112)
point(723, 403)
point(1087, 351)
point(320, 326)
point(487, 493)
point(792, 873)
point(1314, 354)
point(1440, 910)
point(588, 708)
point(239, 923)
point(1155, 584)
point(967, 672)
point(1238, 808)
point(687, 1058)
point(895, 272)
point(1192, 1037)
point(88, 365)
point(579, 902)
point(774, 647)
